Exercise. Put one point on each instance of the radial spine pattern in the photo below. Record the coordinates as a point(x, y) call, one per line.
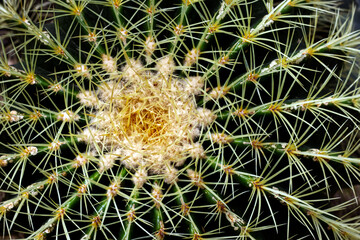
point(187, 119)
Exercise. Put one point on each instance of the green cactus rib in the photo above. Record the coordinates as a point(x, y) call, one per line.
point(185, 205)
point(328, 104)
point(193, 119)
point(62, 209)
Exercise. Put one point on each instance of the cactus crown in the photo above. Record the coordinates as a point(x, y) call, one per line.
point(193, 119)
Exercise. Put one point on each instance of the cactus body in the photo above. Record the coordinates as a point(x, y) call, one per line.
point(193, 119)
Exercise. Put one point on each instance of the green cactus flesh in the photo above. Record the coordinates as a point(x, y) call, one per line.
point(197, 119)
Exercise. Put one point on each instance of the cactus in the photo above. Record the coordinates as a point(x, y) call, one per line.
point(193, 119)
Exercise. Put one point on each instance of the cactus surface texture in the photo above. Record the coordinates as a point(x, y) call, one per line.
point(187, 119)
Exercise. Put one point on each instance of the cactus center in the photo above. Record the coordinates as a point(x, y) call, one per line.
point(148, 123)
point(156, 119)
point(147, 119)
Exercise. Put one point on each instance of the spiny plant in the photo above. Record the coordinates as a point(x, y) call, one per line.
point(194, 119)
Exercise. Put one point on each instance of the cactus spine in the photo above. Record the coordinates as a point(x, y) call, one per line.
point(194, 119)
